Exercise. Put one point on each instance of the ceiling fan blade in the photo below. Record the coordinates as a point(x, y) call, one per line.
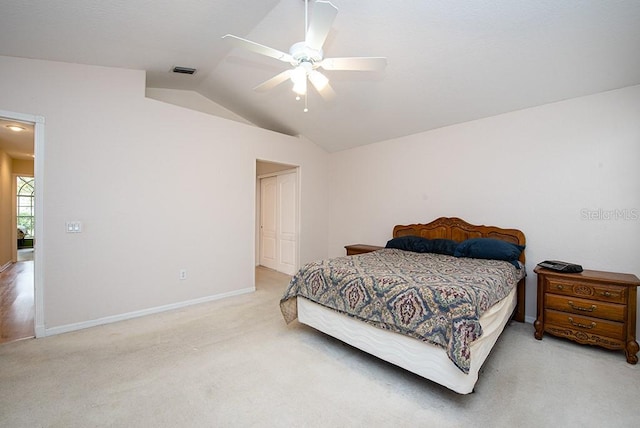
point(321, 83)
point(258, 48)
point(274, 81)
point(355, 63)
point(322, 17)
point(327, 93)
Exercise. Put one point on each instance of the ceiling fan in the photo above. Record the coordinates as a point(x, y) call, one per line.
point(307, 56)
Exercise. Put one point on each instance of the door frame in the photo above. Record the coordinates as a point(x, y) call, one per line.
point(38, 249)
point(286, 169)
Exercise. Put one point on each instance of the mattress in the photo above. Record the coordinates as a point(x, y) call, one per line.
point(422, 358)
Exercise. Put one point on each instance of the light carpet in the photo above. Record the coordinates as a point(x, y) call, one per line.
point(235, 363)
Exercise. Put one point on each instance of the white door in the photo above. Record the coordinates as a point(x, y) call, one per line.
point(268, 222)
point(278, 222)
point(286, 231)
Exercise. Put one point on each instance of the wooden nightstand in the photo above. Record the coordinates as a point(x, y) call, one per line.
point(354, 249)
point(591, 307)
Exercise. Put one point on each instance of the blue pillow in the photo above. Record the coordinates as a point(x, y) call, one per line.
point(489, 248)
point(418, 244)
point(443, 246)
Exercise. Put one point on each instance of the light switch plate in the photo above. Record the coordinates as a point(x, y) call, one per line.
point(73, 226)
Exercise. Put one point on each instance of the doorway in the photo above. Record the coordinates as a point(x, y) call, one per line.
point(24, 271)
point(277, 216)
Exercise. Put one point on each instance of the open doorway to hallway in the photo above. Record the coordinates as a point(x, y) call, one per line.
point(17, 228)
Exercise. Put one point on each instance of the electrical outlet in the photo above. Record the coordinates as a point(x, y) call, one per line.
point(182, 274)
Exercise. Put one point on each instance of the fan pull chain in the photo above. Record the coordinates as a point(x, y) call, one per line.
point(306, 106)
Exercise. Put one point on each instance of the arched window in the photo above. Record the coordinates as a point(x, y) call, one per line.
point(25, 207)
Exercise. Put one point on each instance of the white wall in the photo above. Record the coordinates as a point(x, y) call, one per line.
point(194, 101)
point(536, 170)
point(157, 187)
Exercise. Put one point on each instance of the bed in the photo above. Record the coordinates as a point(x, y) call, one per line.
point(434, 301)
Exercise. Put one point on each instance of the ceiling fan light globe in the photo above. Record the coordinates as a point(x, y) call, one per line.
point(298, 75)
point(300, 87)
point(318, 80)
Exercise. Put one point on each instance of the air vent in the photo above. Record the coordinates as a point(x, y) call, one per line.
point(184, 70)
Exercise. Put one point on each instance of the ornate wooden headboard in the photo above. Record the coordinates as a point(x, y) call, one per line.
point(459, 230)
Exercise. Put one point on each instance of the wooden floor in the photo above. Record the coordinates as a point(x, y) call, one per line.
point(16, 302)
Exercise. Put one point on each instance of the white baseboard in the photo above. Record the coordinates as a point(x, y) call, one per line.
point(136, 314)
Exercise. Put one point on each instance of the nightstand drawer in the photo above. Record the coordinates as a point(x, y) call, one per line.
point(603, 292)
point(597, 326)
point(592, 308)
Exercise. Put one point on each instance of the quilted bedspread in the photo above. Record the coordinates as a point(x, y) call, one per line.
point(432, 297)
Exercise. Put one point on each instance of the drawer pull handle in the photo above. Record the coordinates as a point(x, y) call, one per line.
point(606, 294)
point(559, 287)
point(579, 308)
point(577, 324)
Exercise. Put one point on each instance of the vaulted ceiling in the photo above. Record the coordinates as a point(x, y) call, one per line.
point(448, 61)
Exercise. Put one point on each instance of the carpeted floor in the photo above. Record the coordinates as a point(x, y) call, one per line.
point(234, 363)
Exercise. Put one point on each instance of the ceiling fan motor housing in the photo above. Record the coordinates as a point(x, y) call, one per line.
point(302, 53)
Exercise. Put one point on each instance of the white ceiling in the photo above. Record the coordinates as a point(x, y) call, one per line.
point(448, 61)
